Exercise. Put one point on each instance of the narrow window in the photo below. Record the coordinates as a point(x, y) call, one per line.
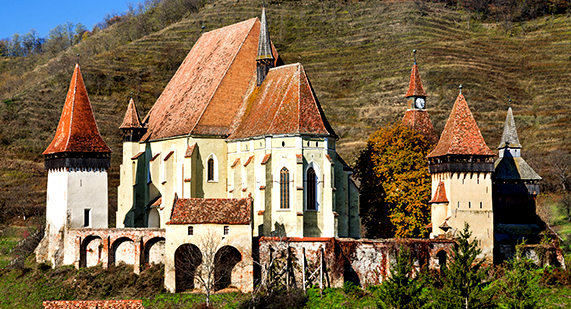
point(87, 217)
point(190, 230)
point(226, 230)
point(284, 188)
point(480, 205)
point(469, 204)
point(210, 170)
point(311, 189)
point(458, 204)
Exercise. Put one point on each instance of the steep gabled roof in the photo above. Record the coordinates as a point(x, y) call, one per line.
point(513, 168)
point(440, 194)
point(461, 135)
point(415, 85)
point(509, 137)
point(206, 92)
point(131, 120)
point(77, 130)
point(283, 104)
point(419, 120)
point(211, 210)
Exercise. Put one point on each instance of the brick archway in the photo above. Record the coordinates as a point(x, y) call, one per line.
point(123, 249)
point(154, 251)
point(90, 251)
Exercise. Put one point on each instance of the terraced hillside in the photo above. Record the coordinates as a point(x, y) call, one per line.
point(357, 55)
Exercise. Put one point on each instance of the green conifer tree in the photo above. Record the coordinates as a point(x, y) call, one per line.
point(465, 282)
point(403, 289)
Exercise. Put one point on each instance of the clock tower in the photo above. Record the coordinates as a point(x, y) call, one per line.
point(416, 117)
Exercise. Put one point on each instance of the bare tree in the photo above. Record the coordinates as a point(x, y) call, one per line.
point(560, 163)
point(207, 262)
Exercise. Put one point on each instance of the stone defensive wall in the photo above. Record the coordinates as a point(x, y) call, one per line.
point(330, 262)
point(87, 247)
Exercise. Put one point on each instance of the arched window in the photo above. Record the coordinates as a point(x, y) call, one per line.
point(284, 188)
point(311, 189)
point(210, 172)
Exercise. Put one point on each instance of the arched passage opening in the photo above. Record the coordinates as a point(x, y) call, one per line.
point(224, 261)
point(155, 251)
point(122, 250)
point(187, 258)
point(90, 253)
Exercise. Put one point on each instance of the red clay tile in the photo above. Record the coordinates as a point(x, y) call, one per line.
point(211, 210)
point(415, 85)
point(131, 120)
point(440, 194)
point(419, 120)
point(77, 130)
point(461, 135)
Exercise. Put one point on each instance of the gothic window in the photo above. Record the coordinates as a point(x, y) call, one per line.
point(210, 169)
point(311, 189)
point(284, 188)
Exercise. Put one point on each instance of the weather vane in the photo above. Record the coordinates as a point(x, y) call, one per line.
point(414, 55)
point(460, 88)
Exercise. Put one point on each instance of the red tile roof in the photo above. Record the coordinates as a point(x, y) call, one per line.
point(440, 194)
point(77, 130)
point(206, 92)
point(235, 162)
point(415, 86)
point(167, 157)
point(461, 135)
point(211, 210)
point(419, 120)
point(92, 304)
point(131, 120)
point(283, 104)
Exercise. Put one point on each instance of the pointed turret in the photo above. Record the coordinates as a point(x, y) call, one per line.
point(461, 135)
point(416, 117)
point(509, 137)
point(461, 165)
point(265, 58)
point(131, 126)
point(77, 140)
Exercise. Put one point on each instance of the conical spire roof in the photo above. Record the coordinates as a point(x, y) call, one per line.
point(131, 120)
point(415, 85)
point(461, 135)
point(264, 43)
point(77, 130)
point(440, 194)
point(509, 137)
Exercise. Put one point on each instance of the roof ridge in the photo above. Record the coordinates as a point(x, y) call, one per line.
point(225, 72)
point(73, 98)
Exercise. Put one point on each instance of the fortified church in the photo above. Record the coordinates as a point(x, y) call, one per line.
point(238, 149)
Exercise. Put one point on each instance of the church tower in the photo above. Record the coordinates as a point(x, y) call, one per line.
point(515, 186)
point(77, 161)
point(461, 168)
point(416, 117)
point(265, 58)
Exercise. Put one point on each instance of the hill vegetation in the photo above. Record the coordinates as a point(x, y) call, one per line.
point(356, 53)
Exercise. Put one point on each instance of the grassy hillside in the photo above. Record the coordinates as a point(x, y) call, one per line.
point(356, 54)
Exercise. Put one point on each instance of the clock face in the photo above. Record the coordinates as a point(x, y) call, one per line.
point(419, 103)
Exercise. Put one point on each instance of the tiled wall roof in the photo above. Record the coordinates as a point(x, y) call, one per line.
point(419, 121)
point(211, 210)
point(440, 194)
point(93, 304)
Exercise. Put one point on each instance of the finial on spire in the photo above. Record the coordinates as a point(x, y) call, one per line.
point(202, 28)
point(77, 58)
point(131, 94)
point(509, 101)
point(460, 88)
point(414, 55)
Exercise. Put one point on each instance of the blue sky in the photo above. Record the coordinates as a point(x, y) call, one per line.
point(43, 15)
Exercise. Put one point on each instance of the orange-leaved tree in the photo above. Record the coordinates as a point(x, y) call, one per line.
point(395, 183)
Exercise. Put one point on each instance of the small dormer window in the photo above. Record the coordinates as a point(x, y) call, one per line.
point(226, 230)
